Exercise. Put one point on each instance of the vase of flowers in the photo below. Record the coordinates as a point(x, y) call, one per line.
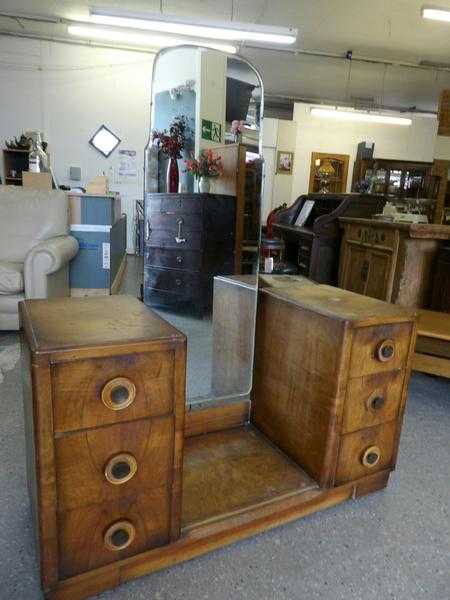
point(171, 143)
point(237, 127)
point(206, 167)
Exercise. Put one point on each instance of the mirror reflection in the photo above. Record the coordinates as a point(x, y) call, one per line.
point(203, 185)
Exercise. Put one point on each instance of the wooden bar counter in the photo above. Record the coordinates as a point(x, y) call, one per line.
point(390, 261)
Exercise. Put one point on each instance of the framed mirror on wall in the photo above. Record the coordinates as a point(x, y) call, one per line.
point(203, 190)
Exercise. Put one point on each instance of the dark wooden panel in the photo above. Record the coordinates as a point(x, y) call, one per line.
point(189, 260)
point(81, 459)
point(78, 385)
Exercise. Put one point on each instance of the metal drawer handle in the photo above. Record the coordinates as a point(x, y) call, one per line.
point(385, 350)
point(118, 393)
point(305, 248)
point(178, 238)
point(371, 457)
point(119, 535)
point(178, 281)
point(179, 259)
point(121, 468)
point(303, 265)
point(376, 403)
point(148, 230)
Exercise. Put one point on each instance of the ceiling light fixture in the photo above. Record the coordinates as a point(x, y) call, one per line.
point(140, 39)
point(229, 31)
point(436, 14)
point(350, 115)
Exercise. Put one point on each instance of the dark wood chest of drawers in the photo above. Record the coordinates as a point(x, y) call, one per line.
point(189, 239)
point(104, 397)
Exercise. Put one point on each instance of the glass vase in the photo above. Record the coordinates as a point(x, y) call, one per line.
point(204, 185)
point(173, 176)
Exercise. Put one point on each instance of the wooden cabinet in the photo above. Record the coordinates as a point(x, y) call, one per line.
point(397, 178)
point(189, 239)
point(14, 163)
point(390, 261)
point(330, 380)
point(104, 403)
point(334, 179)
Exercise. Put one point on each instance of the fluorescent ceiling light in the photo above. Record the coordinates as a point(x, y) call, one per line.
point(139, 39)
point(350, 115)
point(436, 14)
point(182, 26)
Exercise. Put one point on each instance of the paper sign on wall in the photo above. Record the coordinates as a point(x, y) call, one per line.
point(127, 169)
point(106, 254)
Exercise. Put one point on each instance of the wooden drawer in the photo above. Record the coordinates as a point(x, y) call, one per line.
point(101, 391)
point(372, 236)
point(173, 280)
point(189, 260)
point(366, 451)
point(173, 222)
point(372, 400)
point(105, 464)
point(173, 203)
point(378, 349)
point(85, 535)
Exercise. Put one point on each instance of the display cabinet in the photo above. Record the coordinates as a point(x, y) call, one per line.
point(328, 173)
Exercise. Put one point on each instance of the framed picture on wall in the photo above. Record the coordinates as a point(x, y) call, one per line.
point(285, 162)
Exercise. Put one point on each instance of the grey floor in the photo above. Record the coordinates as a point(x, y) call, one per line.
point(392, 545)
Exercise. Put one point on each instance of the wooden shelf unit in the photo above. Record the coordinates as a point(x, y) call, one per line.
point(14, 160)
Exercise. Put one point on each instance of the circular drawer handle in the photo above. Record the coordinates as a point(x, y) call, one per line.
point(385, 350)
point(371, 456)
point(375, 403)
point(118, 393)
point(179, 259)
point(119, 535)
point(121, 468)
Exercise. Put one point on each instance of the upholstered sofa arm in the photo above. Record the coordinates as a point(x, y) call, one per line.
point(43, 275)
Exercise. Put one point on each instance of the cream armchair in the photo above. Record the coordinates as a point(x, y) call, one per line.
point(35, 248)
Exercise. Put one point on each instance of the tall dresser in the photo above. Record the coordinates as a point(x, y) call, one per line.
point(104, 382)
point(189, 238)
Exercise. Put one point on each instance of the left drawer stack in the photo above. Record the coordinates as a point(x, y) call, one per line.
point(104, 407)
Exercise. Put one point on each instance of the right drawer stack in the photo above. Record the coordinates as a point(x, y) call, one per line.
point(374, 401)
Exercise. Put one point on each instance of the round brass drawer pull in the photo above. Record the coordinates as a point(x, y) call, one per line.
point(371, 456)
point(385, 350)
point(118, 393)
point(119, 535)
point(121, 468)
point(375, 403)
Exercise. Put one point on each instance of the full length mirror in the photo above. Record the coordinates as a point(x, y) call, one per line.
point(203, 187)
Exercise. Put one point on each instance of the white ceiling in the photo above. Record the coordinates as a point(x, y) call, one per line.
point(391, 30)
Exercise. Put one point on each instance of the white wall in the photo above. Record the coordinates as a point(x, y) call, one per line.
point(67, 92)
point(315, 134)
point(278, 135)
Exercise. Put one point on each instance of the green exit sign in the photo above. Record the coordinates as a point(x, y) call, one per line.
point(211, 131)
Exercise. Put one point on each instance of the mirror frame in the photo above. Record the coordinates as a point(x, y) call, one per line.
point(241, 401)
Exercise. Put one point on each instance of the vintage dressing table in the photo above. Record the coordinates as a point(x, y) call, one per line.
point(130, 470)
point(112, 496)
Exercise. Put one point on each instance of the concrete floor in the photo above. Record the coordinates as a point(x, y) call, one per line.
point(392, 545)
